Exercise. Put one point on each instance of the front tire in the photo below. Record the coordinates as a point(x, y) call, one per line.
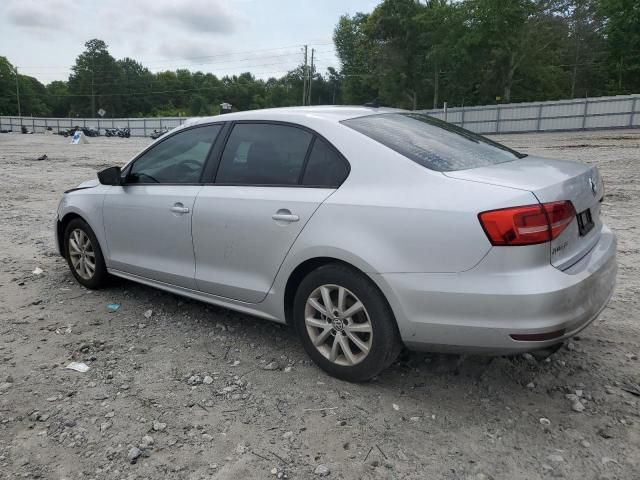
point(84, 255)
point(345, 323)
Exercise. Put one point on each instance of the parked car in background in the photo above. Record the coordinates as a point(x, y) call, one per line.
point(365, 228)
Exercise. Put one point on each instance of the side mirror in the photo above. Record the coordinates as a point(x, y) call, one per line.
point(110, 176)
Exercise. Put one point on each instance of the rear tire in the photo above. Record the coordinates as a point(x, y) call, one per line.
point(357, 336)
point(84, 256)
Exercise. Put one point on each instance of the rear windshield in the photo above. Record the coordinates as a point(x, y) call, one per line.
point(432, 143)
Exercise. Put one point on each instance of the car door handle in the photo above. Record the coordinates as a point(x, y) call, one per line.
point(179, 208)
point(285, 217)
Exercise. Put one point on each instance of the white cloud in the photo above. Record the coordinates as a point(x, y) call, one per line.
point(35, 15)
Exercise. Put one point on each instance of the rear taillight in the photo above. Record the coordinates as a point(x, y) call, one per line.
point(528, 224)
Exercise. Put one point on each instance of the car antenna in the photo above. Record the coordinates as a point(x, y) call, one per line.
point(372, 104)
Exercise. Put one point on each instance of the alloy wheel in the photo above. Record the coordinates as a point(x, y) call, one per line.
point(82, 254)
point(338, 325)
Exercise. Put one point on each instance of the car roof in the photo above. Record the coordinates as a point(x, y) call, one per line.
point(296, 114)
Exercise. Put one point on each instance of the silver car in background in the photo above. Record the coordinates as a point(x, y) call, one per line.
point(365, 228)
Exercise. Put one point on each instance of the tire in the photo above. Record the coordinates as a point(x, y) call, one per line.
point(78, 229)
point(377, 341)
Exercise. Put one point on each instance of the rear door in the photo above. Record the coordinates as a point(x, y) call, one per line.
point(270, 181)
point(147, 220)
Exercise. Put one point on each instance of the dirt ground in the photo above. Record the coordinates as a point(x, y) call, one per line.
point(186, 383)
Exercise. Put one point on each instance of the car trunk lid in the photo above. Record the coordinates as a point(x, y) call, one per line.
point(551, 181)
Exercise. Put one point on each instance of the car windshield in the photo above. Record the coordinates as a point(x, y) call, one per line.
point(432, 143)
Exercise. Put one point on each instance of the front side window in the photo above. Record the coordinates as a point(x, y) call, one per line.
point(178, 159)
point(432, 143)
point(264, 154)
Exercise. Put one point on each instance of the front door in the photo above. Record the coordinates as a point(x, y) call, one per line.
point(147, 220)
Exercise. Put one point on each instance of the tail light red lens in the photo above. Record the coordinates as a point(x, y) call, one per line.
point(528, 224)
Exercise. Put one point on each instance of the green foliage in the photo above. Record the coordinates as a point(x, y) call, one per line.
point(405, 53)
point(418, 54)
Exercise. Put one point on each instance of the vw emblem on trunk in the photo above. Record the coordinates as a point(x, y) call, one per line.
point(594, 188)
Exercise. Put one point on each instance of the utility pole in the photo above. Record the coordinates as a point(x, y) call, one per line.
point(313, 50)
point(93, 96)
point(18, 93)
point(304, 78)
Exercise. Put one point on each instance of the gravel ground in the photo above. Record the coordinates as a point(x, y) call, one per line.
point(179, 389)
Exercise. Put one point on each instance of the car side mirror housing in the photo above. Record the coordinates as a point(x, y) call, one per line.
point(110, 176)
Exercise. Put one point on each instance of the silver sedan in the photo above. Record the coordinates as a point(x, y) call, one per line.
point(367, 229)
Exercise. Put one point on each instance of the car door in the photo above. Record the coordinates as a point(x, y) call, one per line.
point(147, 220)
point(245, 223)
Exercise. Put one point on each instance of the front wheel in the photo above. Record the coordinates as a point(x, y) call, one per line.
point(84, 255)
point(345, 323)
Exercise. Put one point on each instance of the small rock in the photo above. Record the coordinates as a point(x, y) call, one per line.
point(159, 426)
point(241, 449)
point(287, 435)
point(530, 359)
point(274, 471)
point(134, 454)
point(531, 385)
point(207, 380)
point(147, 441)
point(555, 458)
point(395, 406)
point(287, 369)
point(415, 419)
point(585, 444)
point(105, 426)
point(631, 356)
point(322, 470)
point(605, 433)
point(148, 313)
point(37, 271)
point(110, 414)
point(402, 456)
point(271, 366)
point(577, 406)
point(194, 380)
point(545, 421)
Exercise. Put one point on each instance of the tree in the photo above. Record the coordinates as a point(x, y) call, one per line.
point(621, 20)
point(354, 50)
point(95, 81)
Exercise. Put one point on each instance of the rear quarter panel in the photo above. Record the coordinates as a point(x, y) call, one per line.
point(397, 216)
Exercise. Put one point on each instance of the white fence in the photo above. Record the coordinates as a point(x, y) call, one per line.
point(590, 113)
point(139, 127)
point(621, 111)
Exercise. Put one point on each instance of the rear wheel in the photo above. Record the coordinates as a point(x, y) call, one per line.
point(84, 255)
point(345, 323)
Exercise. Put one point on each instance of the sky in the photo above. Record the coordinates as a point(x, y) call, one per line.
point(44, 37)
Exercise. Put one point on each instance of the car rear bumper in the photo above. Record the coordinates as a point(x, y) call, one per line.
point(479, 311)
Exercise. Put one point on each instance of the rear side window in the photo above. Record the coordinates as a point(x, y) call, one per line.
point(325, 167)
point(264, 154)
point(432, 143)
